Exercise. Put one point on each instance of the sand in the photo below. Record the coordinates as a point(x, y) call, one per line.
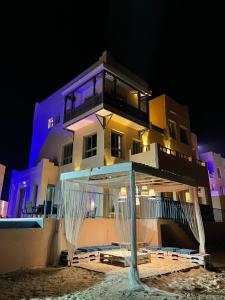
point(51, 282)
point(80, 284)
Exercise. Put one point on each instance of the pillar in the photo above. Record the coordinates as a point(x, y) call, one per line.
point(201, 231)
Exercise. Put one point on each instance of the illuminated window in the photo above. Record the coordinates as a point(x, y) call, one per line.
point(50, 123)
point(183, 135)
point(136, 147)
point(57, 119)
point(172, 129)
point(90, 146)
point(187, 197)
point(218, 173)
point(116, 145)
point(67, 154)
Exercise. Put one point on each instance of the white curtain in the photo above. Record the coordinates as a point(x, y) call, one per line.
point(73, 209)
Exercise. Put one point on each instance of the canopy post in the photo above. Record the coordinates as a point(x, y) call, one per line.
point(200, 225)
point(134, 280)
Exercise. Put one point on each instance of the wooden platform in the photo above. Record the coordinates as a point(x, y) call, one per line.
point(122, 257)
point(199, 259)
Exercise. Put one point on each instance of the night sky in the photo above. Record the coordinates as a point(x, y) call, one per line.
point(176, 46)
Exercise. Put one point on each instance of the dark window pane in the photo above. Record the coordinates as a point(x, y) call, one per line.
point(116, 145)
point(183, 136)
point(90, 146)
point(67, 154)
point(172, 130)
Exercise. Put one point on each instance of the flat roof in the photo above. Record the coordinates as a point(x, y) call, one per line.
point(145, 173)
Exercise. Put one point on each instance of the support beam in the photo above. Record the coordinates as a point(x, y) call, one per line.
point(201, 231)
point(134, 280)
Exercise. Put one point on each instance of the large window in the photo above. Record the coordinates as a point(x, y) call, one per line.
point(116, 144)
point(90, 146)
point(136, 147)
point(172, 129)
point(67, 154)
point(183, 135)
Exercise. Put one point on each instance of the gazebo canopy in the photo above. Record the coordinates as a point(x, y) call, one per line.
point(160, 180)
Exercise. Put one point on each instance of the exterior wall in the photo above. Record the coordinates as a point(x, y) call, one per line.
point(217, 183)
point(90, 162)
point(43, 174)
point(2, 174)
point(25, 248)
point(47, 142)
point(148, 158)
point(52, 239)
point(162, 109)
point(128, 135)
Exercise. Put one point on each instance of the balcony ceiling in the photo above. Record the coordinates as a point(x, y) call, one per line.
point(121, 120)
point(104, 113)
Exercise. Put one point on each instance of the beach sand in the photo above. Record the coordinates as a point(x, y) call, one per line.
point(80, 284)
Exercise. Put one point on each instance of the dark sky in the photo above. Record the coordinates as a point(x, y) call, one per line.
point(174, 45)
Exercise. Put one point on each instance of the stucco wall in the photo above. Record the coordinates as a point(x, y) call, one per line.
point(43, 174)
point(128, 135)
point(94, 161)
point(24, 248)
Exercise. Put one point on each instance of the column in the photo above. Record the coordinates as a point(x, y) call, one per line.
point(201, 231)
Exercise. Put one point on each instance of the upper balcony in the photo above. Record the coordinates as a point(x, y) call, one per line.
point(173, 161)
point(107, 91)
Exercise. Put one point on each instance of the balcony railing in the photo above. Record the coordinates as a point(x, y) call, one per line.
point(182, 156)
point(89, 103)
point(113, 93)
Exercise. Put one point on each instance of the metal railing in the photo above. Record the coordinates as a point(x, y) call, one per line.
point(182, 156)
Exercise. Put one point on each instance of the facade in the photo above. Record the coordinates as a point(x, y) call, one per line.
point(103, 117)
point(216, 171)
point(2, 174)
point(3, 204)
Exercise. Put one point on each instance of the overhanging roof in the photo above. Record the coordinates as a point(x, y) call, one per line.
point(145, 174)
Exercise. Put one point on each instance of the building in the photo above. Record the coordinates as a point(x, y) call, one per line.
point(216, 171)
point(3, 204)
point(105, 116)
point(2, 174)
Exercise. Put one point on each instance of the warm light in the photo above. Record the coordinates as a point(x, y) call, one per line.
point(137, 201)
point(123, 193)
point(168, 151)
point(187, 197)
point(151, 192)
point(92, 204)
point(144, 188)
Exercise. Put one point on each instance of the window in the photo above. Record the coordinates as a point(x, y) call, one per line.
point(136, 147)
point(90, 146)
point(172, 129)
point(183, 135)
point(50, 123)
point(35, 194)
point(116, 145)
point(218, 173)
point(67, 154)
point(57, 119)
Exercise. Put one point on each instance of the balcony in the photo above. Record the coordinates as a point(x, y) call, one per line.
point(106, 91)
point(173, 161)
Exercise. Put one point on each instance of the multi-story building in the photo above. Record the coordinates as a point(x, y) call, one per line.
point(2, 174)
point(216, 171)
point(103, 117)
point(3, 204)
